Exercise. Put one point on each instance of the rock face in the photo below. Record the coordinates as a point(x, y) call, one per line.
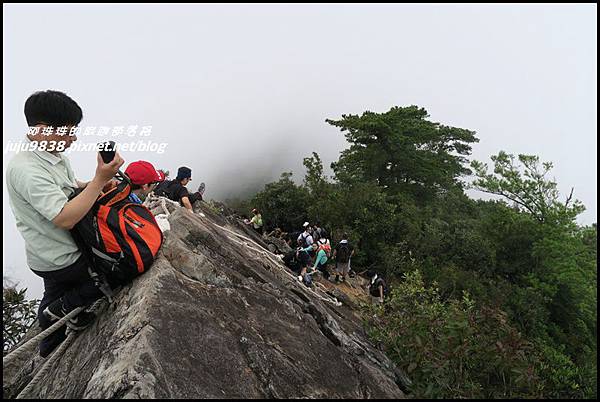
point(216, 316)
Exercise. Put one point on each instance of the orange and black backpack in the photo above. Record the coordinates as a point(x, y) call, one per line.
point(120, 238)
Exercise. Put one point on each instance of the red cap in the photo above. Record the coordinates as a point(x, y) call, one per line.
point(142, 172)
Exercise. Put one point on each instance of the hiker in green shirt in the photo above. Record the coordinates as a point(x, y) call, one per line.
point(40, 183)
point(256, 221)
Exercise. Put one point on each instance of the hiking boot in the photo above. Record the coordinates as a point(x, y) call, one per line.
point(81, 320)
point(56, 310)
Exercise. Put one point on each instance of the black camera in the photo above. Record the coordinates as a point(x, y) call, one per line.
point(107, 151)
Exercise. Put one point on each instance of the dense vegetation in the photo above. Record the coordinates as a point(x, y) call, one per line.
point(18, 314)
point(490, 298)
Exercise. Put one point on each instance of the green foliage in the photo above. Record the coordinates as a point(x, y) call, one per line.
point(510, 309)
point(18, 315)
point(401, 150)
point(563, 266)
point(562, 378)
point(322, 194)
point(526, 186)
point(283, 204)
point(455, 348)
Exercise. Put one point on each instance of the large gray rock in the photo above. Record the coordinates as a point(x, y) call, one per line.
point(216, 318)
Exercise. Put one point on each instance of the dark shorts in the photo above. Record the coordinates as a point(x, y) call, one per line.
point(195, 197)
point(304, 259)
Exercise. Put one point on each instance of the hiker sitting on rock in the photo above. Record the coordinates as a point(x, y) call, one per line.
point(175, 189)
point(39, 184)
point(144, 179)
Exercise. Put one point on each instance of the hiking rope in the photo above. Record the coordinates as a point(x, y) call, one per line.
point(26, 347)
point(153, 200)
point(163, 204)
point(48, 365)
point(333, 300)
point(71, 334)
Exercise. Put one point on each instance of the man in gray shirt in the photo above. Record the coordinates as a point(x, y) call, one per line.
point(40, 181)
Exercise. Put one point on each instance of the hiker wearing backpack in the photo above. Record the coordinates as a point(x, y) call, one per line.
point(377, 287)
point(305, 236)
point(40, 182)
point(176, 189)
point(342, 254)
point(144, 179)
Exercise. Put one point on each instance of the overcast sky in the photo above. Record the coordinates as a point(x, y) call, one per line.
point(240, 93)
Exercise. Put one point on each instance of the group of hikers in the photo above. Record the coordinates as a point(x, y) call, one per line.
point(314, 251)
point(75, 231)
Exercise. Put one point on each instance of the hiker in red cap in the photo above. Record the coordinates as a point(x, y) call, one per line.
point(144, 178)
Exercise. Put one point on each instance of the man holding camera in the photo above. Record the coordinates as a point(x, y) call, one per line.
point(39, 183)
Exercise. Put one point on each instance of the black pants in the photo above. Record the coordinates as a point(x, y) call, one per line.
point(195, 197)
point(72, 283)
point(323, 269)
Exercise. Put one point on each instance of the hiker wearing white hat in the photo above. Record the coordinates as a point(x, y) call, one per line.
point(305, 236)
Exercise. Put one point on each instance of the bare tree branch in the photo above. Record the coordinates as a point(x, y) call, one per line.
point(515, 200)
point(569, 197)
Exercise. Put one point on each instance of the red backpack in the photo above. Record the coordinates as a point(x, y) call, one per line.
point(120, 238)
point(325, 247)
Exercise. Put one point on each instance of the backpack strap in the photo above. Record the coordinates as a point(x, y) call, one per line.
point(104, 256)
point(101, 282)
point(99, 279)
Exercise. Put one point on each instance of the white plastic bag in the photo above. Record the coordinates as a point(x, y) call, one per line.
point(163, 222)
